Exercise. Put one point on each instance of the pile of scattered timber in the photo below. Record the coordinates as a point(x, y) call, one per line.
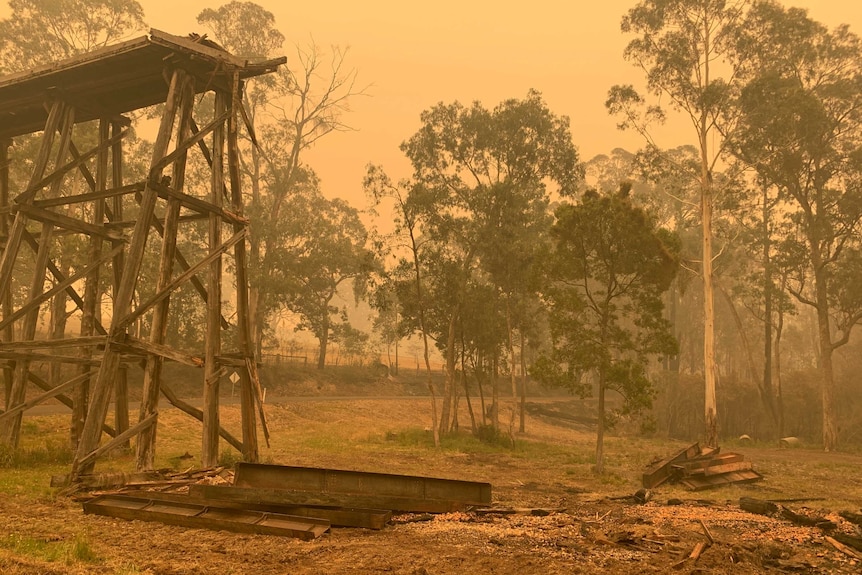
point(700, 468)
point(302, 502)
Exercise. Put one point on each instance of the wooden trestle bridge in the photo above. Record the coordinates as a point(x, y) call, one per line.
point(82, 192)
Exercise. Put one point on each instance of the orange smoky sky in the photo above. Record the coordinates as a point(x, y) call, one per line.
point(415, 54)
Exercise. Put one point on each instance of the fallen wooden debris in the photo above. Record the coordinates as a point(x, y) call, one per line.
point(660, 471)
point(843, 548)
point(798, 519)
point(758, 506)
point(849, 540)
point(852, 517)
point(533, 511)
point(337, 516)
point(282, 484)
point(207, 517)
point(701, 468)
point(698, 550)
point(706, 532)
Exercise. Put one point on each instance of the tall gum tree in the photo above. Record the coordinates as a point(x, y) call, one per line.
point(800, 128)
point(681, 45)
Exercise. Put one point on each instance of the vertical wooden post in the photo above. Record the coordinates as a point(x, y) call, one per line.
point(159, 327)
point(16, 233)
point(8, 334)
point(12, 427)
point(210, 439)
point(121, 406)
point(111, 359)
point(251, 451)
point(81, 393)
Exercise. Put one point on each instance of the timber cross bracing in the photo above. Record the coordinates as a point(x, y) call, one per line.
point(115, 221)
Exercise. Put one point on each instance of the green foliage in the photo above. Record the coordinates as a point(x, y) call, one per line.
point(606, 275)
point(229, 457)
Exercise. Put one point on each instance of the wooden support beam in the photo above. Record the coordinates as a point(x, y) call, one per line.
point(17, 346)
point(21, 408)
point(73, 224)
point(135, 345)
point(57, 175)
point(110, 364)
point(67, 401)
point(7, 334)
point(250, 384)
point(189, 409)
point(92, 293)
point(179, 280)
point(146, 447)
point(90, 196)
point(201, 206)
point(121, 385)
point(35, 302)
point(210, 437)
point(88, 459)
point(184, 146)
point(29, 356)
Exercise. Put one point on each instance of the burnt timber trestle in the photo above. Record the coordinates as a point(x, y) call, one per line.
point(100, 87)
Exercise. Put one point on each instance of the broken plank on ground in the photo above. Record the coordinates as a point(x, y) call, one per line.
point(707, 482)
point(337, 516)
point(310, 498)
point(661, 471)
point(206, 517)
point(453, 494)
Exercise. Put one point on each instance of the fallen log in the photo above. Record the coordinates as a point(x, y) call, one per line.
point(843, 548)
point(757, 506)
point(798, 519)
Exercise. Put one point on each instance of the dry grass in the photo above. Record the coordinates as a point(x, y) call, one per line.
point(549, 466)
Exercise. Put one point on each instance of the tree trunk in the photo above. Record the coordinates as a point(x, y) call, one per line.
point(600, 432)
point(709, 374)
point(449, 385)
point(830, 429)
point(324, 338)
point(522, 426)
point(510, 344)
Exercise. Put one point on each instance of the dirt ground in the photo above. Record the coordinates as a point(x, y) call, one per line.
point(588, 528)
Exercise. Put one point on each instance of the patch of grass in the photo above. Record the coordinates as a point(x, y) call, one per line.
point(228, 457)
point(68, 552)
point(48, 453)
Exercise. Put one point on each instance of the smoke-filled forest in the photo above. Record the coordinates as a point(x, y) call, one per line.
point(719, 273)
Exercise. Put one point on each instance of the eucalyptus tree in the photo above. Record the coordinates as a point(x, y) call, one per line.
point(681, 45)
point(480, 172)
point(321, 247)
point(604, 283)
point(801, 129)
